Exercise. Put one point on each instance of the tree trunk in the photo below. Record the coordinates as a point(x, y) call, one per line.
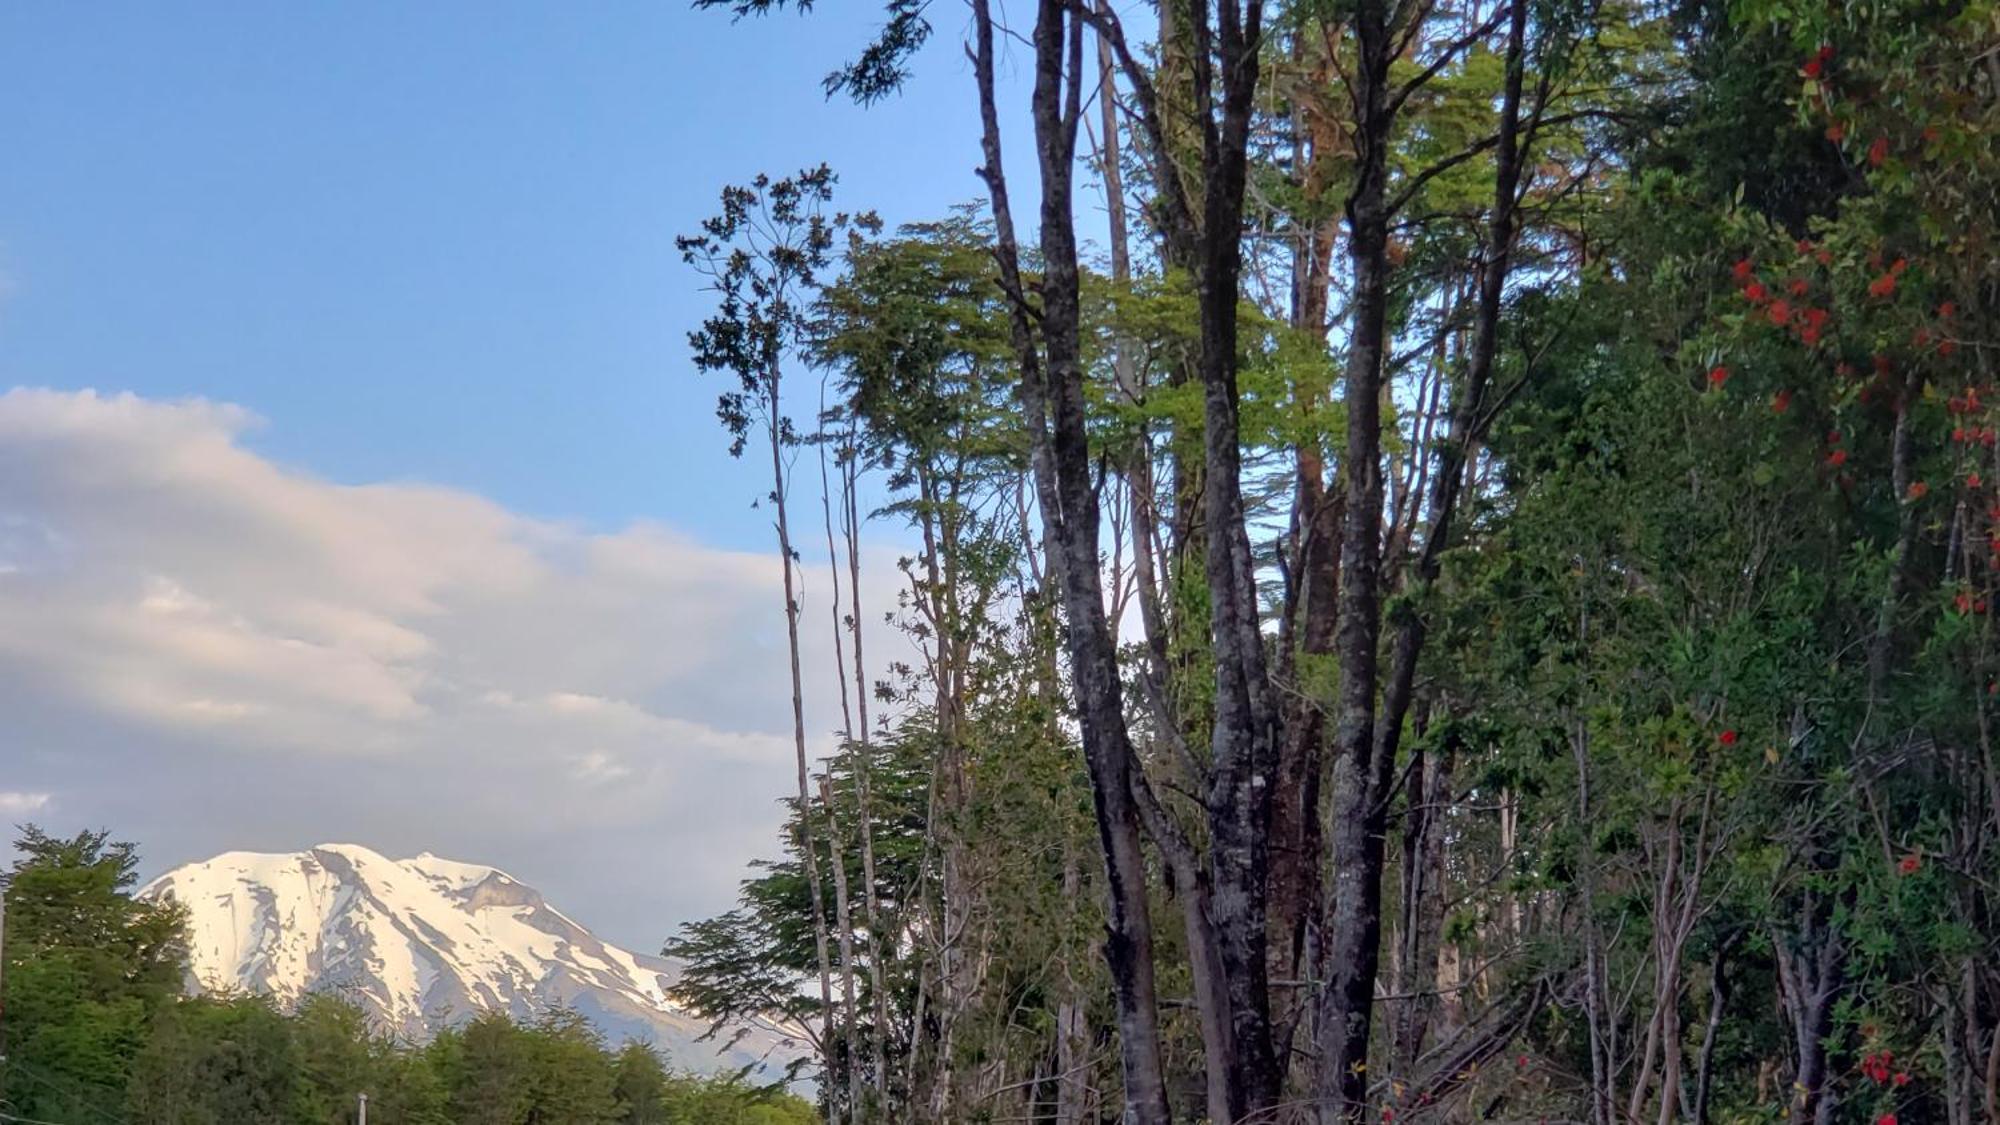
point(843, 915)
point(1064, 489)
point(864, 779)
point(1296, 838)
point(1365, 742)
point(1244, 739)
point(1422, 914)
point(1353, 929)
point(1811, 977)
point(786, 556)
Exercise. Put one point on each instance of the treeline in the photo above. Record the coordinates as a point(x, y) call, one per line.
point(1473, 604)
point(97, 1032)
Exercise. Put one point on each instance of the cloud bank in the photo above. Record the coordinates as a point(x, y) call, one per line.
point(203, 650)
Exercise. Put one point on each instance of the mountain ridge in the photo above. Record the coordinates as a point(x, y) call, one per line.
point(425, 942)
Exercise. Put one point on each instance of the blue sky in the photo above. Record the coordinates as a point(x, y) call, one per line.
point(430, 241)
point(354, 481)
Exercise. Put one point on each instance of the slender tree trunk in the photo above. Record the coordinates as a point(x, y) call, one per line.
point(787, 557)
point(844, 922)
point(1061, 466)
point(937, 594)
point(1365, 742)
point(1296, 837)
point(1812, 977)
point(1718, 996)
point(864, 771)
point(1352, 942)
point(1072, 1030)
point(843, 915)
point(1596, 994)
point(1222, 63)
point(1422, 913)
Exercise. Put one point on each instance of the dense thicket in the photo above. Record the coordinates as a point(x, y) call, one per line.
point(1472, 604)
point(98, 1033)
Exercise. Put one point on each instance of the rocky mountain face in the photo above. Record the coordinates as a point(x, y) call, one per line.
point(424, 942)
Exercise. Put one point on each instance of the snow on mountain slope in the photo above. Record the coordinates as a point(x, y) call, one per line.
point(424, 942)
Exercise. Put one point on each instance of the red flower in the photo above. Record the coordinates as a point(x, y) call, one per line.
point(1743, 270)
point(1878, 152)
point(1756, 292)
point(1947, 310)
point(1910, 864)
point(1899, 265)
point(1833, 437)
point(1825, 52)
point(1962, 602)
point(1781, 402)
point(1718, 375)
point(1813, 67)
point(1780, 313)
point(1947, 346)
point(1958, 434)
point(1886, 1119)
point(1803, 246)
point(1921, 337)
point(1835, 133)
point(1972, 481)
point(1727, 738)
point(1389, 1114)
point(1918, 489)
point(1815, 323)
point(1902, 1078)
point(1882, 286)
point(1837, 458)
point(1798, 287)
point(1824, 257)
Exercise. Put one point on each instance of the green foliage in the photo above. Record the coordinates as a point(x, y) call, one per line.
point(217, 1062)
point(98, 1034)
point(88, 968)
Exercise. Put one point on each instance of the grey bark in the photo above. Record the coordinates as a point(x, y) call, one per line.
point(1061, 468)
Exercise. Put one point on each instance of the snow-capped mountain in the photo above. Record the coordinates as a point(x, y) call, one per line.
point(421, 943)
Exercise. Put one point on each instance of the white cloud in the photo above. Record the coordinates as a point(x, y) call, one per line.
point(20, 804)
point(599, 766)
point(217, 651)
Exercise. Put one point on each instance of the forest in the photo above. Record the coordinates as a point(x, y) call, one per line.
point(1444, 564)
point(99, 1033)
point(1450, 548)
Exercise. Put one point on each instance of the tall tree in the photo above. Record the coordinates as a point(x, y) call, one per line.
point(763, 254)
point(88, 967)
